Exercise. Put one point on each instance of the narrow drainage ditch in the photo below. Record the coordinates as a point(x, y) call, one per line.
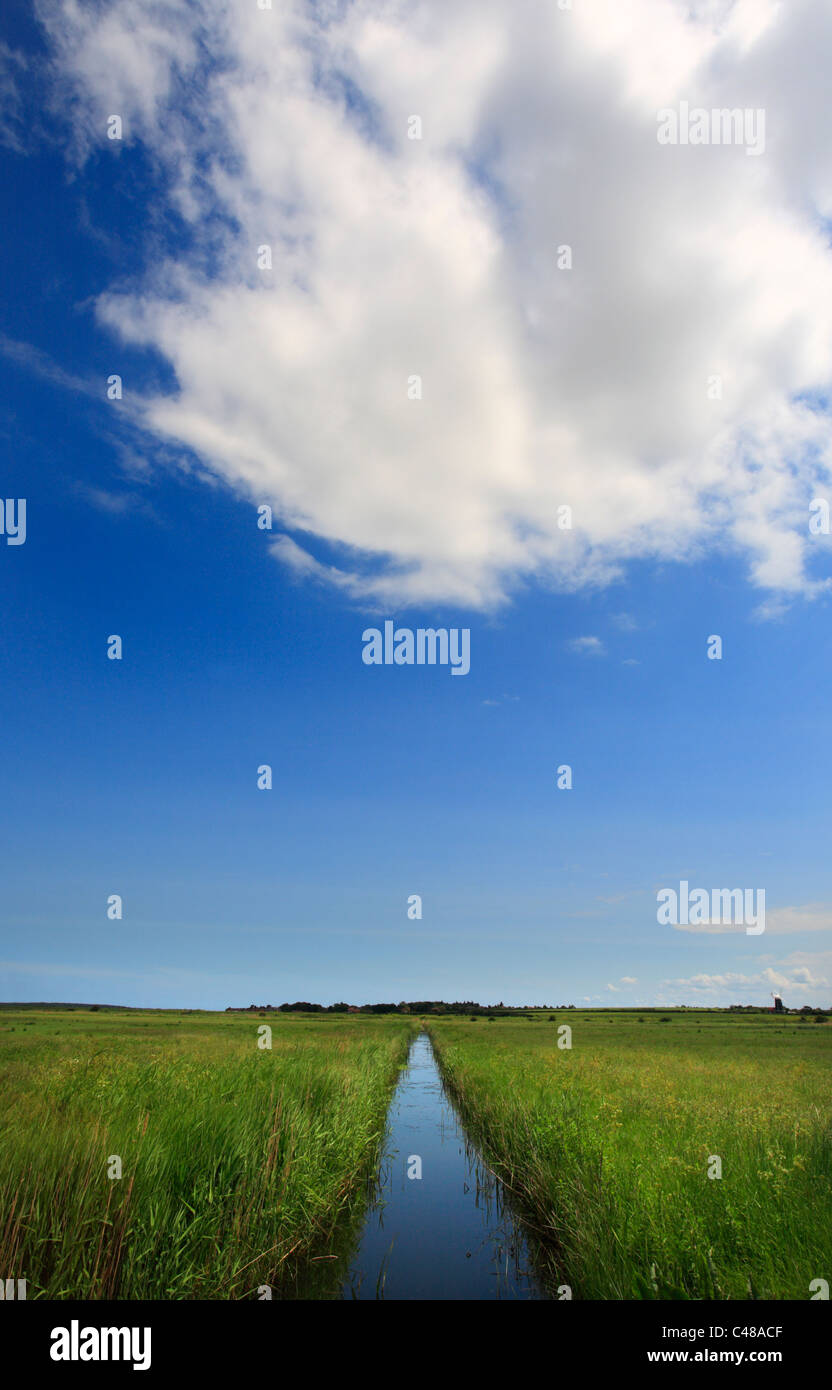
point(449, 1233)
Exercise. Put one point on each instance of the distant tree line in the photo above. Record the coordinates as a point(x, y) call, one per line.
point(417, 1006)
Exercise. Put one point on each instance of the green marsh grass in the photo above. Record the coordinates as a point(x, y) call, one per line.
point(606, 1147)
point(241, 1167)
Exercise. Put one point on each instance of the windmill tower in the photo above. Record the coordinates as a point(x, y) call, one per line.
point(778, 1004)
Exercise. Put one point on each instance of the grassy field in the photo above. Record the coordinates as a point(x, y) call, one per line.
point(607, 1147)
point(240, 1166)
point(243, 1167)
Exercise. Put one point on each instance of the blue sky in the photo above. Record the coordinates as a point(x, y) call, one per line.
point(139, 777)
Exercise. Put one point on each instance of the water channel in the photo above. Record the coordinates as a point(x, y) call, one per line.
point(449, 1233)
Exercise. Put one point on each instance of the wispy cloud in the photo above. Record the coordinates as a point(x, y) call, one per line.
point(40, 364)
point(12, 127)
point(625, 622)
point(780, 921)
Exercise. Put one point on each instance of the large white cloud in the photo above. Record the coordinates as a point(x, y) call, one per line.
point(437, 257)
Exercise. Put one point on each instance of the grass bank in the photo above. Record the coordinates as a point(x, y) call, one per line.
point(607, 1147)
point(240, 1166)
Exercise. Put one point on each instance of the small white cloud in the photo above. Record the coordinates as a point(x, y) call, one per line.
point(503, 700)
point(770, 611)
point(586, 646)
